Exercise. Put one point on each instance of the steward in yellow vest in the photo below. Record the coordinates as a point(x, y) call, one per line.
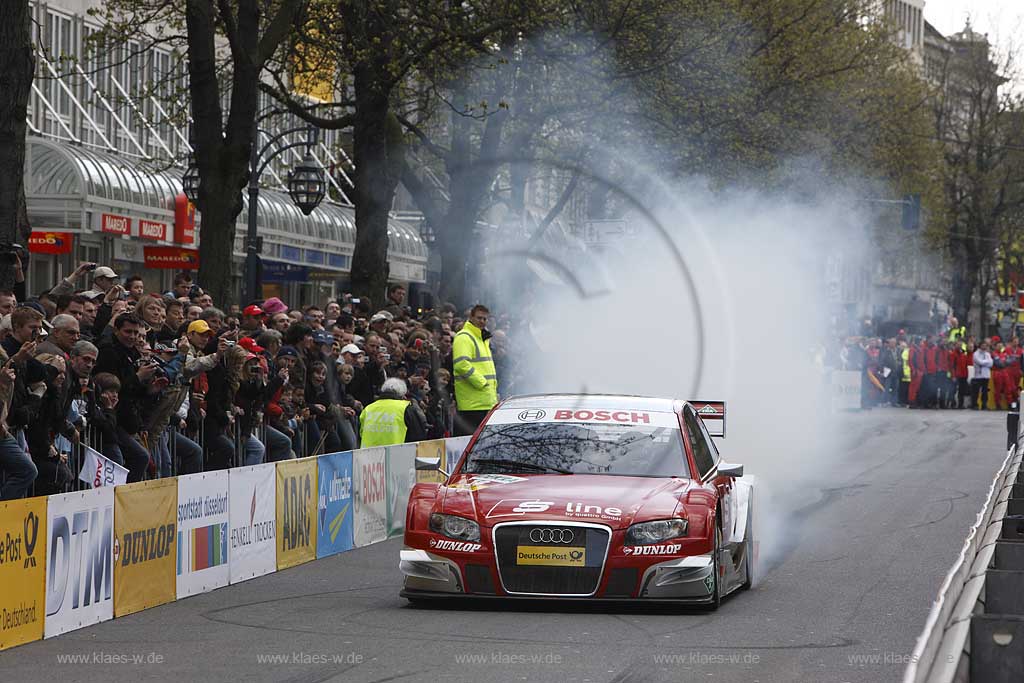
point(476, 382)
point(391, 419)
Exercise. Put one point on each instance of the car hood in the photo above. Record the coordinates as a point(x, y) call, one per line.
point(611, 500)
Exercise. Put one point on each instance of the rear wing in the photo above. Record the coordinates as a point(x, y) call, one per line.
point(712, 414)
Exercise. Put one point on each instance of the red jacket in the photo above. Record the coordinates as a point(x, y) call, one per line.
point(942, 359)
point(961, 359)
point(930, 359)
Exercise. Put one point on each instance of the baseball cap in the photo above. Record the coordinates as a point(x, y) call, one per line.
point(104, 271)
point(381, 315)
point(252, 310)
point(199, 326)
point(352, 348)
point(323, 338)
point(274, 305)
point(250, 345)
point(288, 351)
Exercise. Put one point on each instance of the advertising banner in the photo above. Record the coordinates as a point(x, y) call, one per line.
point(152, 230)
point(253, 521)
point(296, 512)
point(334, 504)
point(98, 470)
point(401, 478)
point(50, 242)
point(846, 390)
point(79, 559)
point(171, 258)
point(453, 448)
point(184, 220)
point(22, 570)
point(430, 452)
point(145, 548)
point(115, 224)
point(371, 509)
point(202, 533)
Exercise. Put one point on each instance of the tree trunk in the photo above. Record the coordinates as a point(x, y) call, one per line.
point(221, 208)
point(378, 151)
point(17, 63)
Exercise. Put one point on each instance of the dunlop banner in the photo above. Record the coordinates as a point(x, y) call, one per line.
point(79, 559)
point(430, 451)
point(401, 478)
point(22, 571)
point(334, 504)
point(202, 532)
point(370, 481)
point(296, 512)
point(145, 548)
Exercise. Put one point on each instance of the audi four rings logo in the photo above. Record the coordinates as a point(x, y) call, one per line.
point(552, 535)
point(531, 415)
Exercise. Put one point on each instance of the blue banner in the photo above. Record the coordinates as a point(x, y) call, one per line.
point(337, 260)
point(314, 256)
point(291, 253)
point(334, 504)
point(275, 271)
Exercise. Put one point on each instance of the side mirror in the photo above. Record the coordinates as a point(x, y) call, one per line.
point(428, 464)
point(726, 469)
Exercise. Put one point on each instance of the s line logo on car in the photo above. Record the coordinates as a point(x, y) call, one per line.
point(517, 507)
point(652, 549)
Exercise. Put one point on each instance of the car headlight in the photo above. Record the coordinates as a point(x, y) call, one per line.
point(646, 533)
point(451, 526)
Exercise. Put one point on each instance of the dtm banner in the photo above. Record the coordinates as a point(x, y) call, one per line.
point(202, 532)
point(401, 478)
point(371, 519)
point(296, 512)
point(428, 453)
point(845, 390)
point(253, 523)
point(79, 559)
point(334, 504)
point(22, 571)
point(145, 547)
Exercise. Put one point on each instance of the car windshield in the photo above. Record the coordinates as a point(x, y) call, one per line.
point(578, 448)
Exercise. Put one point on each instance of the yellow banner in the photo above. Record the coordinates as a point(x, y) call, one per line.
point(548, 555)
point(431, 450)
point(22, 571)
point(296, 512)
point(145, 545)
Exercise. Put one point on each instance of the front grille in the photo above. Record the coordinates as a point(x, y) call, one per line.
point(478, 578)
point(541, 579)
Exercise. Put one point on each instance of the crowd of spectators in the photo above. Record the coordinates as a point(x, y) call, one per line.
point(174, 382)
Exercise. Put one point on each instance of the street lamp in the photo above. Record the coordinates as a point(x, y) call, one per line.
point(306, 186)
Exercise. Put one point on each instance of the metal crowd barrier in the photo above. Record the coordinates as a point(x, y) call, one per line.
point(975, 630)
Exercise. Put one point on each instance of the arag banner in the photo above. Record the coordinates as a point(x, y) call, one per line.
point(401, 461)
point(296, 512)
point(145, 545)
point(22, 571)
point(79, 559)
point(202, 563)
point(371, 509)
point(430, 451)
point(334, 504)
point(253, 521)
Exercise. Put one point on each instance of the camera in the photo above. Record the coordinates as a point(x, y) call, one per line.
point(91, 267)
point(11, 252)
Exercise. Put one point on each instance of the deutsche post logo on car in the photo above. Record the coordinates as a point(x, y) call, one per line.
point(552, 556)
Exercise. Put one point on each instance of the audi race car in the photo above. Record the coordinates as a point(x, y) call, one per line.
point(591, 497)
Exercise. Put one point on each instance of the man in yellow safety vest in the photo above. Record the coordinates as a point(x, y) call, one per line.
point(391, 419)
point(476, 382)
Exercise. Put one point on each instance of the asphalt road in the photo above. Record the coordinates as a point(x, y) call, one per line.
point(843, 596)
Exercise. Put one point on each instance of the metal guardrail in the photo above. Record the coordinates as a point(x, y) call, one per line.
point(975, 630)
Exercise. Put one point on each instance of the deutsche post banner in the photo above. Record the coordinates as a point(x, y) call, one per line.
point(430, 451)
point(371, 509)
point(334, 504)
point(296, 512)
point(79, 559)
point(202, 563)
point(22, 571)
point(401, 469)
point(145, 545)
point(252, 534)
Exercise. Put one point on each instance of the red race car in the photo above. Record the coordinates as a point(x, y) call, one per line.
point(589, 497)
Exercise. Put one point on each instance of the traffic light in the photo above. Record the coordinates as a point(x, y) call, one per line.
point(911, 211)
